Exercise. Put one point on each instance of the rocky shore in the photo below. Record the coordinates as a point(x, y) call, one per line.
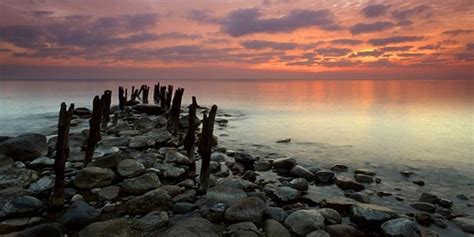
point(139, 184)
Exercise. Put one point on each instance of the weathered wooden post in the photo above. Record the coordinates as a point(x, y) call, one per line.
point(204, 148)
point(132, 95)
point(156, 93)
point(122, 98)
point(163, 98)
point(106, 100)
point(173, 117)
point(146, 90)
point(169, 95)
point(94, 129)
point(190, 138)
point(62, 153)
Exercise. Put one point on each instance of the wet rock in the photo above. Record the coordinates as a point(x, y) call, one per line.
point(246, 159)
point(173, 156)
point(288, 140)
point(419, 182)
point(325, 177)
point(186, 196)
point(111, 228)
point(331, 216)
point(140, 184)
point(287, 194)
point(216, 167)
point(400, 227)
point(341, 230)
point(369, 214)
point(299, 184)
point(423, 206)
point(236, 183)
point(445, 203)
point(170, 171)
point(462, 197)
point(276, 213)
point(243, 229)
point(339, 168)
point(17, 177)
point(346, 184)
point(82, 112)
point(423, 218)
point(159, 135)
point(184, 207)
point(194, 227)
point(219, 157)
point(246, 209)
point(41, 162)
point(42, 184)
point(5, 162)
point(110, 161)
point(249, 175)
point(94, 177)
point(11, 225)
point(109, 193)
point(141, 142)
point(362, 178)
point(263, 165)
point(25, 147)
point(148, 109)
point(466, 225)
point(360, 197)
point(300, 171)
point(109, 141)
point(150, 222)
point(340, 204)
point(303, 222)
point(406, 173)
point(284, 163)
point(42, 230)
point(20, 205)
point(130, 168)
point(428, 197)
point(318, 233)
point(365, 171)
point(273, 228)
point(79, 215)
point(157, 199)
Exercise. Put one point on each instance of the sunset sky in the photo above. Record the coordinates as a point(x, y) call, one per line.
point(214, 39)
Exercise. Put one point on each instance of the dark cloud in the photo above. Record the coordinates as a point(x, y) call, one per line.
point(457, 32)
point(339, 63)
point(468, 57)
point(2, 50)
point(347, 42)
point(333, 52)
point(374, 10)
point(394, 40)
point(404, 16)
point(373, 53)
point(470, 46)
point(263, 44)
point(396, 48)
point(410, 54)
point(307, 59)
point(203, 16)
point(430, 47)
point(22, 36)
point(370, 27)
point(250, 20)
point(41, 13)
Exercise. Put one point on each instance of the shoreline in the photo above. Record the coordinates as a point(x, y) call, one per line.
point(304, 192)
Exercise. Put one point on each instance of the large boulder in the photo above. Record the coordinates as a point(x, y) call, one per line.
point(111, 228)
point(400, 227)
point(246, 209)
point(303, 222)
point(157, 199)
point(194, 227)
point(94, 177)
point(79, 215)
point(25, 147)
point(140, 184)
point(369, 214)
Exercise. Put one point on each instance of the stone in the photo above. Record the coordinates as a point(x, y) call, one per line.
point(187, 183)
point(423, 218)
point(151, 221)
point(130, 168)
point(346, 184)
point(94, 177)
point(300, 171)
point(325, 177)
point(148, 109)
point(236, 183)
point(340, 204)
point(400, 227)
point(144, 124)
point(365, 171)
point(360, 197)
point(173, 156)
point(445, 203)
point(465, 224)
point(110, 228)
point(331, 216)
point(42, 184)
point(41, 230)
point(303, 222)
point(423, 206)
point(82, 112)
point(275, 213)
point(246, 209)
point(159, 135)
point(11, 225)
point(194, 227)
point(273, 228)
point(362, 178)
point(406, 173)
point(288, 140)
point(263, 165)
point(109, 141)
point(299, 184)
point(79, 215)
point(41, 162)
point(287, 194)
point(109, 192)
point(419, 182)
point(243, 229)
point(141, 184)
point(168, 170)
point(219, 157)
point(20, 205)
point(184, 207)
point(157, 199)
point(141, 142)
point(5, 162)
point(246, 159)
point(369, 214)
point(25, 147)
point(428, 197)
point(216, 167)
point(339, 168)
point(15, 177)
point(462, 197)
point(284, 163)
point(342, 230)
point(318, 233)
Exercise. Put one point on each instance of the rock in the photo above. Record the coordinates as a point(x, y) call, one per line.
point(82, 112)
point(141, 142)
point(273, 228)
point(339, 168)
point(219, 157)
point(140, 184)
point(246, 209)
point(331, 216)
point(445, 203)
point(148, 109)
point(284, 163)
point(325, 177)
point(15, 177)
point(5, 162)
point(400, 227)
point(187, 183)
point(20, 205)
point(172, 190)
point(428, 197)
point(423, 206)
point(423, 218)
point(369, 214)
point(362, 178)
point(466, 225)
point(287, 194)
point(94, 177)
point(151, 221)
point(340, 204)
point(216, 167)
point(406, 173)
point(419, 182)
point(168, 170)
point(41, 162)
point(346, 184)
point(299, 184)
point(79, 215)
point(275, 213)
point(173, 156)
point(110, 161)
point(246, 159)
point(42, 230)
point(194, 227)
point(262, 165)
point(184, 207)
point(303, 222)
point(157, 199)
point(364, 171)
point(25, 147)
point(341, 230)
point(288, 140)
point(300, 171)
point(318, 233)
point(462, 197)
point(236, 183)
point(111, 228)
point(109, 192)
point(159, 135)
point(360, 197)
point(249, 175)
point(42, 184)
point(130, 168)
point(243, 229)
point(110, 141)
point(11, 225)
point(144, 124)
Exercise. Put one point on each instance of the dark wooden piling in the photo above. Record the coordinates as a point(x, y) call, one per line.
point(163, 98)
point(62, 153)
point(106, 100)
point(122, 96)
point(169, 95)
point(190, 138)
point(145, 92)
point(94, 129)
point(204, 148)
point(173, 118)
point(156, 93)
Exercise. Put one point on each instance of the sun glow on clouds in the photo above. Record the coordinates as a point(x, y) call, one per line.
point(295, 36)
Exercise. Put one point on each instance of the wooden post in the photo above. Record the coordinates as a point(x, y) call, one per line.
point(146, 90)
point(163, 98)
point(132, 95)
point(94, 129)
point(106, 100)
point(156, 93)
point(169, 95)
point(190, 138)
point(122, 98)
point(204, 148)
point(62, 153)
point(173, 118)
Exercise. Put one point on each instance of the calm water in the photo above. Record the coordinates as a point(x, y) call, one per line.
point(416, 124)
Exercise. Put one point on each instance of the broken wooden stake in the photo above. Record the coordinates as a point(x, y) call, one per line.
point(94, 129)
point(173, 118)
point(106, 100)
point(204, 148)
point(190, 138)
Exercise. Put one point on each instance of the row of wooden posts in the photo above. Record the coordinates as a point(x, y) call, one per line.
point(100, 119)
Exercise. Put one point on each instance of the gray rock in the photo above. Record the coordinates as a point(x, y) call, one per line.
point(246, 209)
point(424, 219)
point(445, 203)
point(11, 225)
point(109, 161)
point(287, 194)
point(243, 229)
point(42, 230)
point(303, 222)
point(160, 135)
point(369, 214)
point(114, 141)
point(262, 165)
point(276, 213)
point(428, 197)
point(346, 184)
point(17, 177)
point(42, 162)
point(400, 227)
point(423, 206)
point(20, 205)
point(109, 192)
point(5, 162)
point(173, 156)
point(331, 216)
point(219, 157)
point(141, 142)
point(318, 233)
point(141, 184)
point(360, 197)
point(42, 184)
point(225, 195)
point(168, 170)
point(151, 221)
point(284, 163)
point(273, 228)
point(25, 147)
point(325, 176)
point(194, 227)
point(130, 168)
point(184, 207)
point(339, 168)
point(340, 204)
point(299, 184)
point(94, 177)
point(300, 171)
point(466, 225)
point(363, 178)
point(79, 215)
point(462, 197)
point(365, 171)
point(341, 230)
point(111, 228)
point(144, 124)
point(236, 183)
point(157, 199)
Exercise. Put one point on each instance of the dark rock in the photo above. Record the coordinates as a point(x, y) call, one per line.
point(346, 184)
point(140, 184)
point(130, 168)
point(25, 147)
point(340, 204)
point(42, 230)
point(148, 109)
point(173, 156)
point(184, 207)
point(79, 215)
point(341, 230)
point(462, 197)
point(331, 216)
point(243, 229)
point(362, 178)
point(109, 192)
point(194, 227)
point(423, 218)
point(400, 227)
point(300, 171)
point(236, 183)
point(94, 177)
point(466, 225)
point(246, 159)
point(5, 162)
point(12, 225)
point(299, 184)
point(109, 141)
point(303, 222)
point(157, 199)
point(144, 124)
point(428, 197)
point(111, 228)
point(262, 165)
point(159, 135)
point(20, 206)
point(151, 221)
point(369, 214)
point(406, 173)
point(141, 142)
point(287, 194)
point(284, 163)
point(273, 228)
point(109, 161)
point(423, 206)
point(325, 177)
point(445, 203)
point(82, 112)
point(364, 171)
point(339, 168)
point(249, 175)
point(288, 140)
point(419, 182)
point(219, 157)
point(246, 209)
point(275, 213)
point(16, 177)
point(318, 233)
point(360, 197)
